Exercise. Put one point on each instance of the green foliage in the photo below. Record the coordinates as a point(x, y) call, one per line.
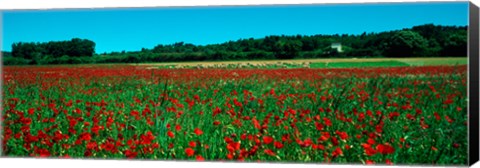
point(456, 44)
point(406, 43)
point(6, 54)
point(15, 61)
point(419, 41)
point(74, 48)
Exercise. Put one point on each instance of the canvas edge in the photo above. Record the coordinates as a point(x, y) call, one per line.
point(473, 82)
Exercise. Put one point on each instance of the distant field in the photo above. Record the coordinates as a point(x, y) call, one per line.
point(321, 63)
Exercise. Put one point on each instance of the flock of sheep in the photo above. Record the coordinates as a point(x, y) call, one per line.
point(243, 65)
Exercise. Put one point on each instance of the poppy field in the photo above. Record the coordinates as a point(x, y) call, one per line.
point(374, 115)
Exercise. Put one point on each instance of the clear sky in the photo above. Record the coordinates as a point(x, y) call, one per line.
point(132, 29)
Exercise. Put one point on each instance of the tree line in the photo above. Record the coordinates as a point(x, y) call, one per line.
point(419, 41)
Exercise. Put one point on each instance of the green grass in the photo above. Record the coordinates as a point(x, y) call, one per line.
point(357, 64)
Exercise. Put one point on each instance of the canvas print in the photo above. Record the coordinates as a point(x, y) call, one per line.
point(381, 83)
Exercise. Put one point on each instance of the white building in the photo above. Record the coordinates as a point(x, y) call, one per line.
point(337, 46)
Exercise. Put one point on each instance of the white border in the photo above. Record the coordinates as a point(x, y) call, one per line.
point(75, 4)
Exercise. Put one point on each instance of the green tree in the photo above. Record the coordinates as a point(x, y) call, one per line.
point(287, 49)
point(406, 43)
point(455, 45)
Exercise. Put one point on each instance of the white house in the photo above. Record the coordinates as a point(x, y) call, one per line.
point(337, 46)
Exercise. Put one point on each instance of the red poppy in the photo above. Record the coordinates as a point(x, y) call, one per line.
point(200, 158)
point(130, 154)
point(243, 136)
point(307, 142)
point(43, 153)
point(337, 152)
point(267, 139)
point(437, 117)
point(189, 152)
point(170, 134)
point(343, 135)
point(147, 138)
point(198, 131)
point(178, 127)
point(325, 136)
point(334, 141)
point(449, 120)
point(369, 162)
point(278, 144)
point(228, 140)
point(321, 147)
point(369, 150)
point(327, 121)
point(385, 149)
point(347, 147)
point(388, 162)
point(230, 156)
point(233, 146)
point(371, 141)
point(448, 101)
point(319, 126)
point(85, 136)
point(31, 111)
point(456, 145)
point(192, 144)
point(256, 123)
point(270, 152)
point(91, 145)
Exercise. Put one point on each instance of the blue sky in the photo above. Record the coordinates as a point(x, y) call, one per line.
point(132, 29)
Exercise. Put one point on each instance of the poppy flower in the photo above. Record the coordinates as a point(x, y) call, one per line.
point(448, 101)
point(43, 153)
point(267, 139)
point(371, 141)
point(270, 152)
point(319, 126)
point(369, 150)
point(456, 145)
point(388, 162)
point(228, 140)
point(198, 131)
point(200, 158)
point(189, 152)
point(256, 123)
point(278, 144)
point(343, 135)
point(334, 141)
point(321, 147)
point(243, 136)
point(437, 117)
point(325, 136)
point(170, 134)
point(337, 152)
point(327, 121)
point(192, 144)
point(369, 162)
point(91, 145)
point(31, 111)
point(385, 149)
point(307, 142)
point(130, 154)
